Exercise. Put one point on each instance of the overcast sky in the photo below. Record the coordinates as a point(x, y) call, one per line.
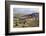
point(25, 10)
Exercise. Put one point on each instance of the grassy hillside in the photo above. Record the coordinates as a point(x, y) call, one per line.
point(28, 22)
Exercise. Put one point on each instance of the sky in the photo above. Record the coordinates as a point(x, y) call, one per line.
point(24, 10)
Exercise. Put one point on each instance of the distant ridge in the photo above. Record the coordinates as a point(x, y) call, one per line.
point(33, 15)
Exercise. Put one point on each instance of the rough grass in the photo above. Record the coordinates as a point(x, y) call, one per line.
point(26, 23)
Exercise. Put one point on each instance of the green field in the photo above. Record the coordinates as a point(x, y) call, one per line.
point(26, 22)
